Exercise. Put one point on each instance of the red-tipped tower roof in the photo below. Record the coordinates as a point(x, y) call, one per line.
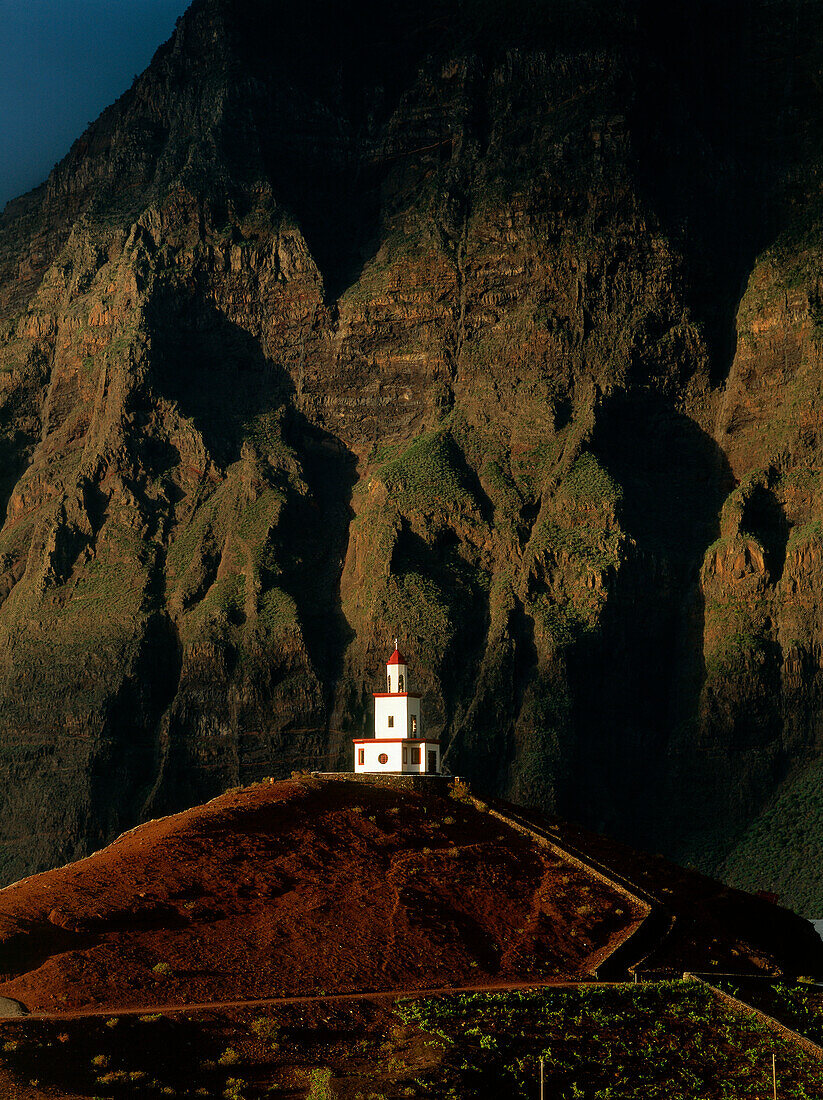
point(396, 658)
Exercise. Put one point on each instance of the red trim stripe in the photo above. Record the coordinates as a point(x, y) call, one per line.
point(395, 741)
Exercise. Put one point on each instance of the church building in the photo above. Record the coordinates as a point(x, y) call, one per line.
point(398, 744)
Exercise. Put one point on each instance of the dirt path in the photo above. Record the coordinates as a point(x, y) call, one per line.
point(273, 1002)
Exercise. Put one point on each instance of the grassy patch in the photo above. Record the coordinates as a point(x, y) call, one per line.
point(561, 625)
point(735, 633)
point(427, 475)
point(782, 849)
point(587, 482)
point(588, 548)
point(219, 610)
point(416, 520)
point(277, 612)
point(189, 538)
point(805, 533)
point(419, 608)
point(259, 518)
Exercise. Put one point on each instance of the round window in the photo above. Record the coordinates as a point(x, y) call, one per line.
point(382, 758)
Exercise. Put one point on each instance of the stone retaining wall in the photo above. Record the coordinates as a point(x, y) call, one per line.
point(651, 912)
point(409, 781)
point(736, 1005)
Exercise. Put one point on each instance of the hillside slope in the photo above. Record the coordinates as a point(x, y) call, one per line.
point(321, 887)
point(498, 331)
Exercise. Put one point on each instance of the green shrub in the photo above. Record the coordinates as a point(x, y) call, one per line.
point(267, 1030)
point(459, 789)
point(320, 1084)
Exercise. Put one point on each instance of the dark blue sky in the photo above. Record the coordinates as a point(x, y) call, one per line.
point(61, 63)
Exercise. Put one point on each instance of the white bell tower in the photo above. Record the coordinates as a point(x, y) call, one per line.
point(396, 672)
point(398, 744)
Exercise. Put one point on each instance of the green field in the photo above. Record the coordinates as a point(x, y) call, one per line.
point(670, 1041)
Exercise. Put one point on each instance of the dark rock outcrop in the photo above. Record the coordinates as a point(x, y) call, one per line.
point(495, 330)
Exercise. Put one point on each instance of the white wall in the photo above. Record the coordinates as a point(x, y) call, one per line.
point(372, 753)
point(398, 707)
point(402, 708)
point(425, 748)
point(398, 756)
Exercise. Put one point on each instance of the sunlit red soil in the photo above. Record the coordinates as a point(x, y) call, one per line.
point(303, 886)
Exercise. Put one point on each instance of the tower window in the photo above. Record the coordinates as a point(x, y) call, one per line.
point(391, 721)
point(382, 758)
point(361, 756)
point(415, 755)
point(401, 682)
point(388, 684)
point(414, 724)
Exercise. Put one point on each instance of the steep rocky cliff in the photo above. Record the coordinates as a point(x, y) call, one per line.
point(495, 328)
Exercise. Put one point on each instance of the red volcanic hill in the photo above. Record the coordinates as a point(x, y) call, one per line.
point(333, 886)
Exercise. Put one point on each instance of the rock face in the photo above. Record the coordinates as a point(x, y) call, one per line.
point(497, 332)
